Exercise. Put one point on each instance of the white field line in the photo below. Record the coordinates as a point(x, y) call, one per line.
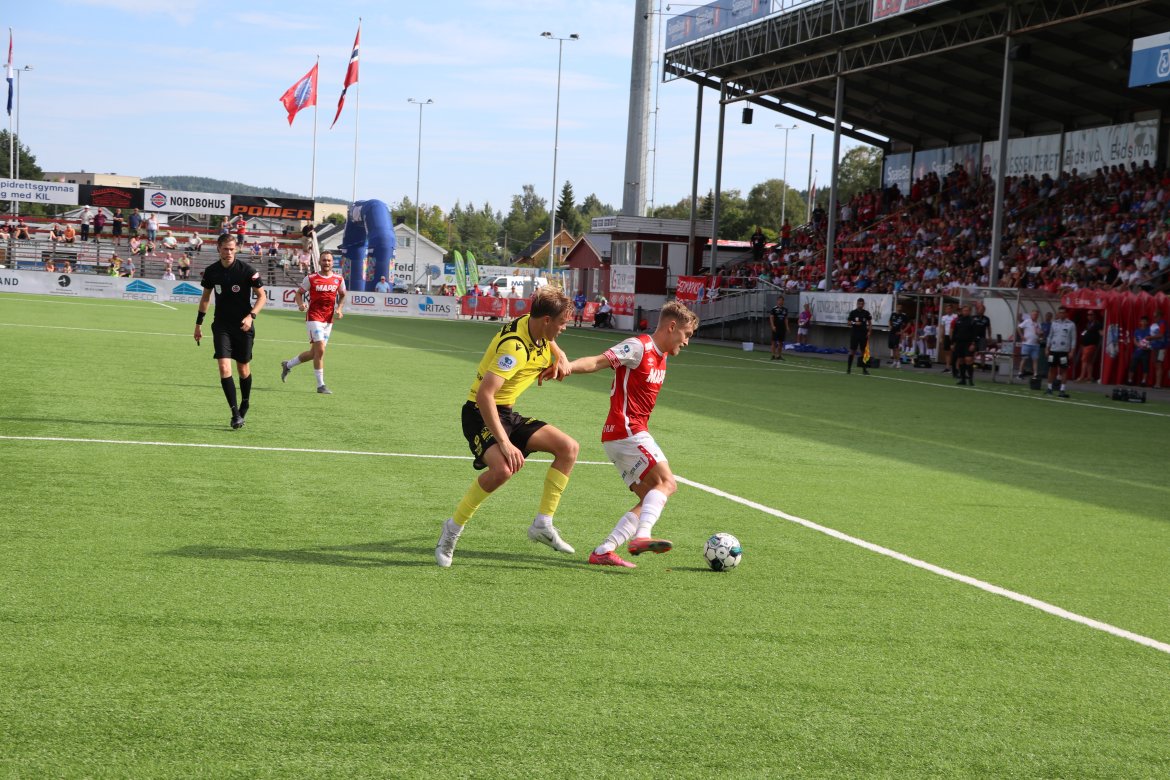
point(610, 341)
point(332, 342)
point(198, 445)
point(1043, 606)
point(165, 306)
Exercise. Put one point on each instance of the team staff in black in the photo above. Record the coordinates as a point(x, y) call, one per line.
point(232, 329)
point(982, 327)
point(1090, 341)
point(778, 319)
point(964, 333)
point(898, 321)
point(860, 324)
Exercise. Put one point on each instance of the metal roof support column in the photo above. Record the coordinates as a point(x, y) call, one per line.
point(831, 235)
point(718, 175)
point(1005, 117)
point(634, 192)
point(692, 264)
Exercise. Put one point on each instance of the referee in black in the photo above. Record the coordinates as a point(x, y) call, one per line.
point(232, 333)
point(860, 324)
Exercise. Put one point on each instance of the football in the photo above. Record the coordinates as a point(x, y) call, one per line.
point(722, 552)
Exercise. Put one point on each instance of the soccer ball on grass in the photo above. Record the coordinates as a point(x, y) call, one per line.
point(722, 552)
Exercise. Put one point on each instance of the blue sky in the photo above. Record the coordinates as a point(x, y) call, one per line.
point(191, 87)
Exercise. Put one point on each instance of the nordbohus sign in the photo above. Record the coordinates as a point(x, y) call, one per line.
point(178, 202)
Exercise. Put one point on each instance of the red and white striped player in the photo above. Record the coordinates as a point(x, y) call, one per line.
point(639, 364)
point(326, 291)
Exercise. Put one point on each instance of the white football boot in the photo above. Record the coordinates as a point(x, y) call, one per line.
point(445, 549)
point(549, 536)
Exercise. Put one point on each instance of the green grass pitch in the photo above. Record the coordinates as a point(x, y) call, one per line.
point(180, 611)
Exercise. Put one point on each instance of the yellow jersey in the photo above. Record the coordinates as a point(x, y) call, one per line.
point(514, 355)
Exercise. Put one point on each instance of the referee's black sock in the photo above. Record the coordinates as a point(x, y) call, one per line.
point(229, 392)
point(850, 366)
point(246, 392)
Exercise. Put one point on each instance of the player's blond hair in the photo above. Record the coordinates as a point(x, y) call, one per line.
point(550, 302)
point(677, 311)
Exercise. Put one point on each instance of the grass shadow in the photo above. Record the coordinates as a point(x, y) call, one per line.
point(114, 423)
point(370, 555)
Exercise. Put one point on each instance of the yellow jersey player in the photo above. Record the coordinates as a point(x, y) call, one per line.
point(500, 438)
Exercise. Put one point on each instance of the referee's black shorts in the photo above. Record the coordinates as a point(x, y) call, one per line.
point(233, 343)
point(518, 427)
point(857, 342)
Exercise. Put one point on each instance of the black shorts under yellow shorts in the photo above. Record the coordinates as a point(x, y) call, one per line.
point(518, 427)
point(233, 343)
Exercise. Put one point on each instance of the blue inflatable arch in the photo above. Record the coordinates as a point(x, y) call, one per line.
point(368, 245)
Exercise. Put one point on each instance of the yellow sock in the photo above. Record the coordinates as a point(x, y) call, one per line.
point(554, 484)
point(470, 502)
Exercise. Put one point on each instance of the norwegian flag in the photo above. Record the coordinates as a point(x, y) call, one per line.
point(351, 74)
point(300, 95)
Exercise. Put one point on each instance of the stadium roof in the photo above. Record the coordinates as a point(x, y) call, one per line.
point(933, 76)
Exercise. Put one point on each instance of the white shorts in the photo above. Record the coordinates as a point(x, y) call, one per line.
point(318, 331)
point(634, 456)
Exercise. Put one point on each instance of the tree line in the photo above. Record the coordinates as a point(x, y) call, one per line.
point(495, 237)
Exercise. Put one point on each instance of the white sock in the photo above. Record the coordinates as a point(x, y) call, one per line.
point(296, 361)
point(320, 374)
point(620, 534)
point(652, 504)
point(542, 521)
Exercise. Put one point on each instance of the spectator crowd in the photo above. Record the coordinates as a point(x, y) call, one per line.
point(1105, 231)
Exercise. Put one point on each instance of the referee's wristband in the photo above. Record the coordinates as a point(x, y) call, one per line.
point(252, 314)
point(199, 317)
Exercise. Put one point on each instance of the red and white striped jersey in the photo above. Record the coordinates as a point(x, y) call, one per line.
point(323, 291)
point(640, 370)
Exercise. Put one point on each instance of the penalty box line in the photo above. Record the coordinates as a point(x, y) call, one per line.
point(987, 587)
point(1043, 606)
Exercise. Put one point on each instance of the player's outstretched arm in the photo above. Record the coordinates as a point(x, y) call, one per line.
point(559, 368)
point(589, 365)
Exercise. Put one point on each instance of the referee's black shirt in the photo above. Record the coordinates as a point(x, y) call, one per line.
point(233, 291)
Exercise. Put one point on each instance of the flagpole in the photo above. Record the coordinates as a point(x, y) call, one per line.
point(313, 175)
point(357, 108)
point(812, 145)
point(8, 74)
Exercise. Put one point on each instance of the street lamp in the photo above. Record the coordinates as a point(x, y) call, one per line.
point(784, 181)
point(552, 230)
point(14, 151)
point(417, 178)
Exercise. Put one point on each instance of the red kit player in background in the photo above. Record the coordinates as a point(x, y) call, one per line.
point(326, 295)
point(639, 364)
